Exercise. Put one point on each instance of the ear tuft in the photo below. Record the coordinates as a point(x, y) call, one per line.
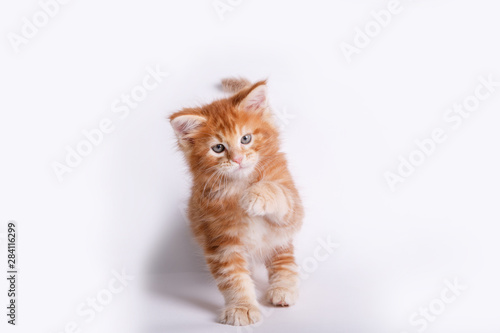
point(185, 125)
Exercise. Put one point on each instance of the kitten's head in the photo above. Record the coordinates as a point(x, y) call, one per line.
point(229, 136)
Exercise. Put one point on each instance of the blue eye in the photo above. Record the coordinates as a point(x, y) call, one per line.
point(246, 139)
point(219, 148)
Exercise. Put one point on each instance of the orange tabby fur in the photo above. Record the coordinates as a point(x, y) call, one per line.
point(244, 204)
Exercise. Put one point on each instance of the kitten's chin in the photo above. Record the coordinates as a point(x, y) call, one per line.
point(241, 173)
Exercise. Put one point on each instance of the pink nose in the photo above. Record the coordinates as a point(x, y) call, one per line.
point(238, 159)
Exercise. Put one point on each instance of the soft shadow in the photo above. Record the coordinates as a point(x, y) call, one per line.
point(177, 268)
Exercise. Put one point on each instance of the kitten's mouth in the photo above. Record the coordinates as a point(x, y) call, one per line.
point(241, 170)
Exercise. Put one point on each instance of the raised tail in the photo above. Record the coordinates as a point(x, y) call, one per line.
point(233, 84)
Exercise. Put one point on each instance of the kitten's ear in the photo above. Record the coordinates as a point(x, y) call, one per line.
point(253, 98)
point(186, 124)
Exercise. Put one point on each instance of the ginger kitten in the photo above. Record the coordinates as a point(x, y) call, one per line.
point(244, 204)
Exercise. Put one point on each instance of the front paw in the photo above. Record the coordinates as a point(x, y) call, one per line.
point(240, 315)
point(265, 198)
point(254, 203)
point(282, 296)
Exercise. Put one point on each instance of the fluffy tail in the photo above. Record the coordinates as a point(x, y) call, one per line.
point(233, 84)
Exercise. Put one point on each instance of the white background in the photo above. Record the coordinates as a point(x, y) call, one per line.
point(122, 206)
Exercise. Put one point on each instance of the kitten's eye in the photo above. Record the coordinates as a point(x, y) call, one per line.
point(218, 148)
point(246, 139)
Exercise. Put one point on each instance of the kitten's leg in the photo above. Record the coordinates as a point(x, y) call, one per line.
point(283, 278)
point(231, 273)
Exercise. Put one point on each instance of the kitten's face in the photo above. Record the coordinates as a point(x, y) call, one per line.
point(234, 153)
point(228, 137)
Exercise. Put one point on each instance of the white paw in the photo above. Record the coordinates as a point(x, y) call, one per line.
point(240, 315)
point(265, 198)
point(254, 204)
point(282, 296)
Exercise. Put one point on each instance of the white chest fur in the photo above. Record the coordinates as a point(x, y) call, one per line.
point(260, 239)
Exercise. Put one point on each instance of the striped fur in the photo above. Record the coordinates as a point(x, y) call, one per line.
point(233, 85)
